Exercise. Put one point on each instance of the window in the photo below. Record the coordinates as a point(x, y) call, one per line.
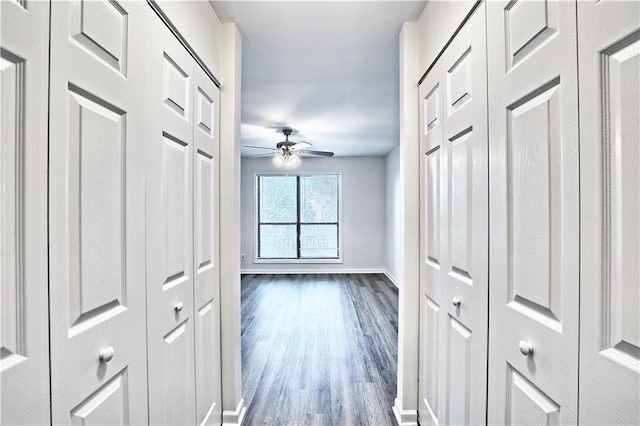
point(298, 217)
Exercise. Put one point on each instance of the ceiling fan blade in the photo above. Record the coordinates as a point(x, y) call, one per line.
point(318, 153)
point(299, 146)
point(271, 154)
point(259, 147)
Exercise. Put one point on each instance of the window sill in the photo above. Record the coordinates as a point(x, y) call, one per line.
point(285, 261)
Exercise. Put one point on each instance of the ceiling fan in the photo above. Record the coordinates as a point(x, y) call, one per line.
point(286, 153)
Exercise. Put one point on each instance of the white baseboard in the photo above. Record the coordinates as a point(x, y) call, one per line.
point(234, 417)
point(405, 417)
point(393, 279)
point(312, 271)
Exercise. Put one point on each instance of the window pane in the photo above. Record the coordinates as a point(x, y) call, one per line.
point(319, 198)
point(277, 199)
point(320, 241)
point(278, 241)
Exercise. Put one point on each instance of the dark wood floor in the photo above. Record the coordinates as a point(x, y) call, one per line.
point(319, 349)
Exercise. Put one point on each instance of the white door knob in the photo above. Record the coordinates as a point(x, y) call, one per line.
point(106, 354)
point(179, 306)
point(526, 348)
point(456, 302)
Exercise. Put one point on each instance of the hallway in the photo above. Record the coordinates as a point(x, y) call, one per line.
point(365, 212)
point(319, 349)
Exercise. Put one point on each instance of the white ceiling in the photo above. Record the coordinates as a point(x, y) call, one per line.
point(328, 69)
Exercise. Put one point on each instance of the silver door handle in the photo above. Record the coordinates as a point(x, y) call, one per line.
point(179, 306)
point(106, 354)
point(526, 348)
point(456, 302)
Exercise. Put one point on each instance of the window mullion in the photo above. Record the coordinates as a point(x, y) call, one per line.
point(298, 251)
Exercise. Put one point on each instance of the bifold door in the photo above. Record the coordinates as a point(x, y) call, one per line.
point(131, 182)
point(534, 222)
point(182, 237)
point(431, 233)
point(24, 305)
point(609, 53)
point(206, 248)
point(170, 233)
point(454, 235)
point(96, 212)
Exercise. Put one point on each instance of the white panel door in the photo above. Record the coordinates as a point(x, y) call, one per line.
point(96, 214)
point(533, 123)
point(454, 237)
point(465, 209)
point(609, 52)
point(170, 281)
point(206, 274)
point(24, 333)
point(432, 232)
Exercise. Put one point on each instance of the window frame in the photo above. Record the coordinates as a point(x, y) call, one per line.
point(298, 223)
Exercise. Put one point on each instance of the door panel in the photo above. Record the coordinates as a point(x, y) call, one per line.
point(535, 210)
point(454, 238)
point(460, 203)
point(528, 404)
point(95, 145)
point(528, 25)
point(24, 337)
point(169, 195)
point(107, 405)
point(458, 386)
point(177, 369)
point(208, 364)
point(534, 215)
point(458, 79)
point(429, 362)
point(101, 28)
point(609, 52)
point(96, 215)
point(206, 235)
point(431, 233)
point(466, 186)
point(176, 211)
point(432, 205)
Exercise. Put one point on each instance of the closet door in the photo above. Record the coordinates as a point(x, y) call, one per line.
point(206, 239)
point(609, 52)
point(432, 232)
point(24, 332)
point(534, 219)
point(96, 212)
point(454, 240)
point(170, 280)
point(465, 210)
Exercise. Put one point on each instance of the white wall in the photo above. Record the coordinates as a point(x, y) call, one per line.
point(230, 98)
point(405, 406)
point(393, 217)
point(363, 213)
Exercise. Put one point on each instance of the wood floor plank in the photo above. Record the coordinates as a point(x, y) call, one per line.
point(319, 349)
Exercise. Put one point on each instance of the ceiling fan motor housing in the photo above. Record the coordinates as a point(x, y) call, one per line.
point(285, 144)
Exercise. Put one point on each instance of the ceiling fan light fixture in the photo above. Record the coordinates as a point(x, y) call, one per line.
point(286, 161)
point(294, 161)
point(278, 161)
